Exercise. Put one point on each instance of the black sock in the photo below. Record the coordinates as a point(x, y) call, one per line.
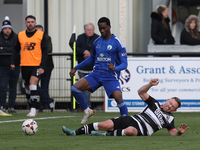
point(117, 132)
point(86, 129)
point(34, 98)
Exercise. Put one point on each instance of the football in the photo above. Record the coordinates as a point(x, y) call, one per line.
point(29, 126)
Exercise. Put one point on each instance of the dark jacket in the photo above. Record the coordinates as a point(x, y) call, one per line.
point(159, 34)
point(8, 47)
point(186, 38)
point(49, 63)
point(83, 43)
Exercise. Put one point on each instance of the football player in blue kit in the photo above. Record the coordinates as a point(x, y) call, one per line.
point(151, 119)
point(110, 57)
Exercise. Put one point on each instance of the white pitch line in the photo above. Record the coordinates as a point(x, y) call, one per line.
point(36, 119)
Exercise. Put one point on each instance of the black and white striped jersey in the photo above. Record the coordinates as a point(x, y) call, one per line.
point(153, 118)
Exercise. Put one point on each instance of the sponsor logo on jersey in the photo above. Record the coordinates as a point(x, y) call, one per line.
point(109, 47)
point(159, 115)
point(102, 58)
point(123, 54)
point(101, 54)
point(29, 46)
point(98, 46)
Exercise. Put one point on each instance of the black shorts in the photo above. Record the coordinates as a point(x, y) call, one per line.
point(124, 122)
point(28, 71)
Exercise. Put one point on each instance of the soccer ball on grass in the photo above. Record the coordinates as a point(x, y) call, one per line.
point(30, 126)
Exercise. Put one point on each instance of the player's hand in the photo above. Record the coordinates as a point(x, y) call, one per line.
point(12, 67)
point(86, 54)
point(154, 82)
point(72, 72)
point(182, 128)
point(111, 67)
point(40, 71)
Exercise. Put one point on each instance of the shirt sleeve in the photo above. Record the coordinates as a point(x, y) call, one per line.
point(123, 58)
point(88, 60)
point(171, 126)
point(150, 100)
point(44, 51)
point(16, 52)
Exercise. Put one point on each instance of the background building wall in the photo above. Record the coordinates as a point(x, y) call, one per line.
point(16, 13)
point(130, 21)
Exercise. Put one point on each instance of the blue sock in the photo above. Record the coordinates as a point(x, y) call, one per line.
point(79, 97)
point(123, 109)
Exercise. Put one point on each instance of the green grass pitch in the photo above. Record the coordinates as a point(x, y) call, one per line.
point(50, 136)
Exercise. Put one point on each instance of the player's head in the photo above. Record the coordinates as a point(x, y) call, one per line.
point(6, 27)
point(172, 104)
point(39, 27)
point(104, 27)
point(30, 22)
point(104, 19)
point(89, 29)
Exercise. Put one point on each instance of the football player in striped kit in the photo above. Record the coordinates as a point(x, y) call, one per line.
point(154, 117)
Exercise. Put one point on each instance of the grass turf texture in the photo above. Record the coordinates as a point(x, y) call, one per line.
point(50, 136)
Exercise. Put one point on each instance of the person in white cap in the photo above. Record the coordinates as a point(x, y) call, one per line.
point(8, 77)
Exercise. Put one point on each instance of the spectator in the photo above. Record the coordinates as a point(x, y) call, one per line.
point(45, 77)
point(84, 48)
point(8, 39)
point(32, 59)
point(190, 34)
point(160, 29)
point(186, 8)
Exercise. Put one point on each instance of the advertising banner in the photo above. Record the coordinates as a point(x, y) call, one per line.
point(178, 76)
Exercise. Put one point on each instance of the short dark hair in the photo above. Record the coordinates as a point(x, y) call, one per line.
point(30, 16)
point(104, 19)
point(177, 100)
point(39, 26)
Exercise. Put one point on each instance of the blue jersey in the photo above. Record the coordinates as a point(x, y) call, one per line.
point(104, 52)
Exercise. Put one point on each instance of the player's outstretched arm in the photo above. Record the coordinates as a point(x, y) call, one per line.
point(142, 92)
point(181, 129)
point(72, 72)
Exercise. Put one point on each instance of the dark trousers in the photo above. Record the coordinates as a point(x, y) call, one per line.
point(43, 90)
point(8, 77)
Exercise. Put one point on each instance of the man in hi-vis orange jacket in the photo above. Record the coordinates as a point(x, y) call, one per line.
point(33, 57)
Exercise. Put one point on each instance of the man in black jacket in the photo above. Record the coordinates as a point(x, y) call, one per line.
point(8, 39)
point(43, 90)
point(84, 48)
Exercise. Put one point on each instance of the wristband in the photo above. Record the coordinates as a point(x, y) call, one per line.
point(179, 132)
